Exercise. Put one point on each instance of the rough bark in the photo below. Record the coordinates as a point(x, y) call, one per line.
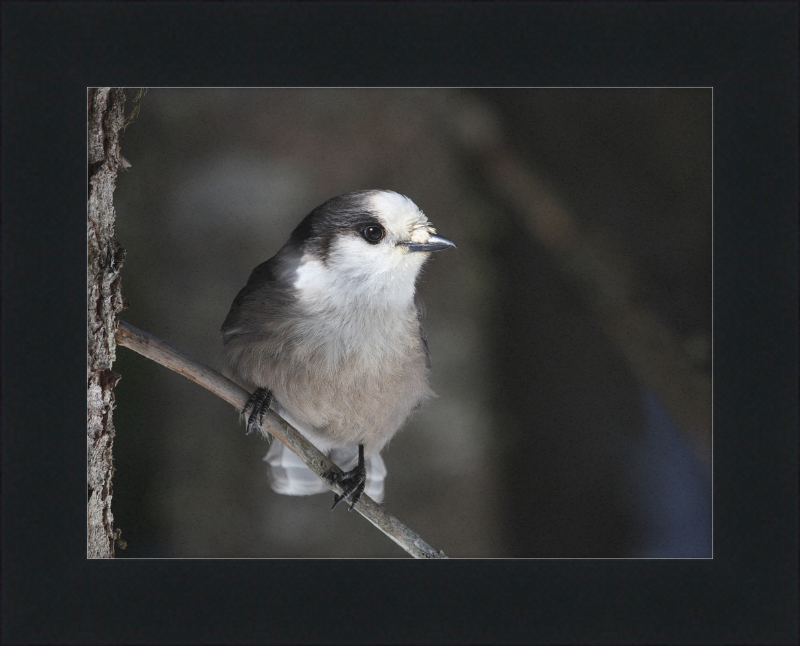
point(104, 302)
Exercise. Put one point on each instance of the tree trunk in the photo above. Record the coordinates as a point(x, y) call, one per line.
point(104, 302)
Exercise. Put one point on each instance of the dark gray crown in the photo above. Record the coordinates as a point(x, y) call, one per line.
point(341, 214)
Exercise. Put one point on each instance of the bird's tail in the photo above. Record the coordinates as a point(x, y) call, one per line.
point(288, 475)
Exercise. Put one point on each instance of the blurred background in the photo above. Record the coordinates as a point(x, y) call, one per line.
point(570, 331)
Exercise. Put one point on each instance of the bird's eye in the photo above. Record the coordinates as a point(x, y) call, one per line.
point(373, 233)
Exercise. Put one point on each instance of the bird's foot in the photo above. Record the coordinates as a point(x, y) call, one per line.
point(353, 482)
point(257, 406)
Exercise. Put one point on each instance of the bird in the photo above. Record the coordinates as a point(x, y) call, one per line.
point(328, 333)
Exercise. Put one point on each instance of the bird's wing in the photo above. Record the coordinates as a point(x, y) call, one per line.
point(261, 277)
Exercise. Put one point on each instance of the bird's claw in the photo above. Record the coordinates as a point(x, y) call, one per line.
point(353, 485)
point(353, 482)
point(257, 406)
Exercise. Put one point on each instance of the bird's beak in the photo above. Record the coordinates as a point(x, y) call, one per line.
point(434, 243)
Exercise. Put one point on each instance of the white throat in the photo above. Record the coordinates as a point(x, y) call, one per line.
point(331, 287)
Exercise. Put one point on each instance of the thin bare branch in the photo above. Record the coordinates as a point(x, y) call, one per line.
point(172, 358)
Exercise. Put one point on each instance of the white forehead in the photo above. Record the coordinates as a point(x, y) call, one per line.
point(398, 213)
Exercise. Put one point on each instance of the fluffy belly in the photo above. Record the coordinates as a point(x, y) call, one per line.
point(354, 404)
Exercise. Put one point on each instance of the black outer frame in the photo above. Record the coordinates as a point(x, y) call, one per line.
point(747, 52)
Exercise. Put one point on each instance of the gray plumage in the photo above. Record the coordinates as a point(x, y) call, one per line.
point(331, 326)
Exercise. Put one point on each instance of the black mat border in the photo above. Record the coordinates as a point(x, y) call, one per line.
point(748, 52)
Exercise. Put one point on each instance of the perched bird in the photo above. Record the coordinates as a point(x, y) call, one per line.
point(328, 333)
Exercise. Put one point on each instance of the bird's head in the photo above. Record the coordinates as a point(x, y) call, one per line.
point(374, 237)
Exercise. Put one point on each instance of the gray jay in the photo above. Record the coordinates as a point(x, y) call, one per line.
point(328, 333)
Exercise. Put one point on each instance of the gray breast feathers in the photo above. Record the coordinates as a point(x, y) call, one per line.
point(352, 376)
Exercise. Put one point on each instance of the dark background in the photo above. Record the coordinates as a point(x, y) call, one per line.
point(540, 443)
